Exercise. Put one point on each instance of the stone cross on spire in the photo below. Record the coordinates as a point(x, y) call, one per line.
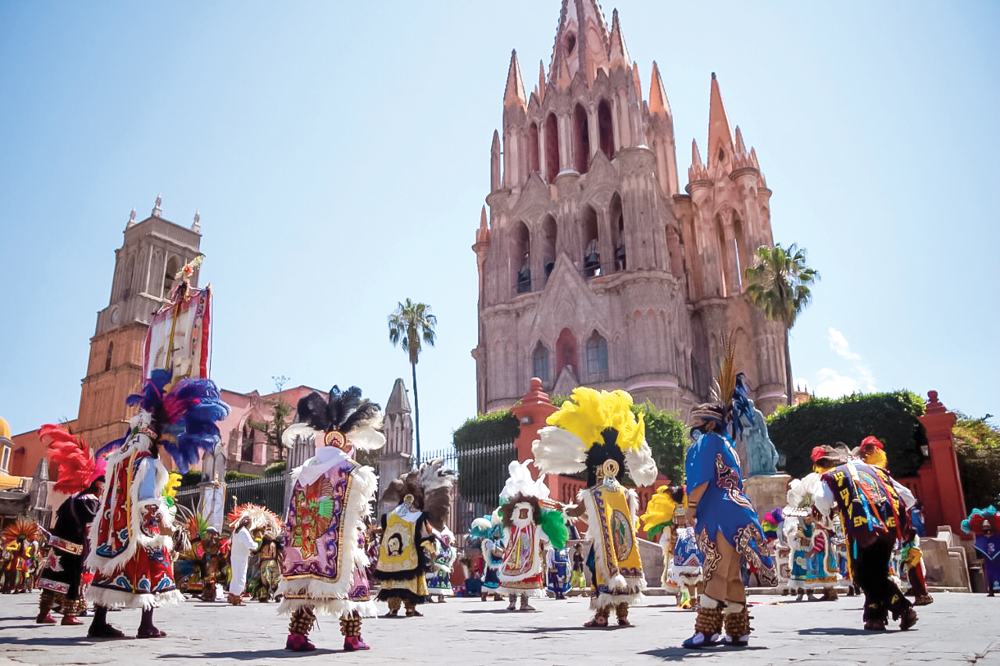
point(156, 207)
point(196, 226)
point(131, 219)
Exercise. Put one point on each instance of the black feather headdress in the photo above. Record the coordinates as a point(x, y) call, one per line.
point(344, 417)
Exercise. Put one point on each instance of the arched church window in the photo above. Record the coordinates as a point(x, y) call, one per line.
point(591, 249)
point(540, 363)
point(597, 357)
point(107, 357)
point(738, 250)
point(549, 235)
point(533, 163)
point(566, 351)
point(607, 130)
point(581, 139)
point(168, 277)
point(551, 147)
point(521, 257)
point(246, 452)
point(618, 231)
point(570, 43)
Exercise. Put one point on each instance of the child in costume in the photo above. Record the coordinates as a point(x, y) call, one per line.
point(81, 476)
point(658, 523)
point(725, 521)
point(985, 525)
point(532, 525)
point(424, 502)
point(488, 532)
point(17, 546)
point(872, 508)
point(249, 523)
point(439, 578)
point(685, 571)
point(323, 560)
point(596, 431)
point(557, 565)
point(578, 580)
point(814, 561)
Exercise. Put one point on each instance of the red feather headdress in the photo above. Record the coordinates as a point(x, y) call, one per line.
point(77, 466)
point(871, 440)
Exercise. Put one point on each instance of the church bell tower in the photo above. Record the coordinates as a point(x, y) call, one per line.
point(150, 257)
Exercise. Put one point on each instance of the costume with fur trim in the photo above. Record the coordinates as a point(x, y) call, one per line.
point(596, 431)
point(985, 525)
point(442, 563)
point(814, 564)
point(488, 532)
point(323, 558)
point(424, 502)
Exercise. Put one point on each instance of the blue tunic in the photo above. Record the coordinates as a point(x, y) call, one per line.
point(723, 506)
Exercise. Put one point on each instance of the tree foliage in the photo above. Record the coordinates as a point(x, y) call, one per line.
point(667, 438)
point(275, 428)
point(892, 417)
point(977, 447)
point(410, 325)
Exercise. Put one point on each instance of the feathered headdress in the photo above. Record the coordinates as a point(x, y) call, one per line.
point(730, 396)
point(771, 521)
point(520, 488)
point(78, 467)
point(342, 419)
point(260, 517)
point(480, 529)
point(872, 451)
point(660, 510)
point(22, 529)
point(979, 518)
point(184, 414)
point(802, 495)
point(591, 428)
point(430, 486)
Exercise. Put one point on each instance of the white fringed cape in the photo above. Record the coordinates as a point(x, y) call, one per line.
point(332, 597)
point(109, 566)
point(623, 589)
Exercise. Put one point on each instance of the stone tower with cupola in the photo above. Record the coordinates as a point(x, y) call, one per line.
point(146, 266)
point(595, 268)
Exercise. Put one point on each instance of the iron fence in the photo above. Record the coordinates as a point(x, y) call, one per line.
point(267, 491)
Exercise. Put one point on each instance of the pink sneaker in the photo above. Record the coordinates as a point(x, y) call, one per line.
point(352, 643)
point(299, 643)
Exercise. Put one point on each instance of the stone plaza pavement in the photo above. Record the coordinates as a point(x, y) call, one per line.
point(956, 629)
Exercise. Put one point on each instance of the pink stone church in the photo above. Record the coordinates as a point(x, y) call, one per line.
point(595, 267)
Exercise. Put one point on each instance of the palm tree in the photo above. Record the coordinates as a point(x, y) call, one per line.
point(778, 285)
point(410, 324)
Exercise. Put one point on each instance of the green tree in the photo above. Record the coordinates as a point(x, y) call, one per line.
point(778, 285)
point(410, 325)
point(275, 428)
point(977, 447)
point(667, 437)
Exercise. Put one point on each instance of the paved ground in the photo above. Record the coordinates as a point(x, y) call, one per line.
point(956, 629)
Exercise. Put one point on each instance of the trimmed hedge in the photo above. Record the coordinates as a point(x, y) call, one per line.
point(892, 417)
point(240, 476)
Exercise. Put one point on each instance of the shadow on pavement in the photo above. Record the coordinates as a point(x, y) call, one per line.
point(49, 640)
point(547, 630)
point(246, 655)
point(680, 654)
point(835, 631)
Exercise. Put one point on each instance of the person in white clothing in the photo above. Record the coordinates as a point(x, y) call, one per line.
point(242, 545)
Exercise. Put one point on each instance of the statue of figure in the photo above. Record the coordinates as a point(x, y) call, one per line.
point(762, 457)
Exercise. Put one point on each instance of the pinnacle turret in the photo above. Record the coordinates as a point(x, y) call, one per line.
point(720, 137)
point(618, 54)
point(514, 93)
point(658, 103)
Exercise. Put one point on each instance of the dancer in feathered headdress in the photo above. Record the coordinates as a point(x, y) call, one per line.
point(872, 507)
point(725, 521)
point(681, 559)
point(985, 525)
point(441, 565)
point(18, 538)
point(253, 527)
point(596, 431)
point(488, 532)
point(178, 406)
point(81, 476)
point(532, 525)
point(810, 533)
point(323, 560)
point(423, 498)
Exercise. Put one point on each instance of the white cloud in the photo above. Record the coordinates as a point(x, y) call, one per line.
point(863, 378)
point(832, 384)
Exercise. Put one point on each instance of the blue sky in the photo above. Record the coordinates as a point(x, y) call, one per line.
point(339, 156)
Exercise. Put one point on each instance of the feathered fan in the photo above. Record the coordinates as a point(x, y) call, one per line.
point(77, 466)
point(22, 529)
point(430, 485)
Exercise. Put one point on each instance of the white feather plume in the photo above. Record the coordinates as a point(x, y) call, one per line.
point(641, 466)
point(559, 451)
point(432, 475)
point(520, 482)
point(802, 492)
point(297, 430)
point(367, 438)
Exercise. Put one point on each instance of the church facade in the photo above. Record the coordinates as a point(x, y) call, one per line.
point(595, 267)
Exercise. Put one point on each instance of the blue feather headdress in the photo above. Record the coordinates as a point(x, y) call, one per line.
point(185, 416)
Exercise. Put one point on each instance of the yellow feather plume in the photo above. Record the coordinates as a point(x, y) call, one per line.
point(589, 412)
point(173, 483)
point(660, 509)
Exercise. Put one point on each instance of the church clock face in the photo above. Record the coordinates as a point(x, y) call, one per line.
point(115, 314)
